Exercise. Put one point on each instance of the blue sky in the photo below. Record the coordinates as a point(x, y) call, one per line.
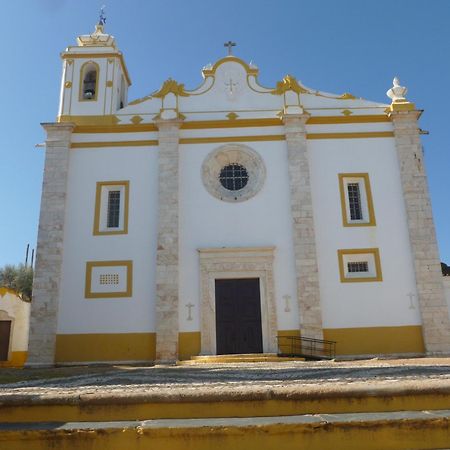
point(336, 46)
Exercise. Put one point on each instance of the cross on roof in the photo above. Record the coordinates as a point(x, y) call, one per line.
point(230, 46)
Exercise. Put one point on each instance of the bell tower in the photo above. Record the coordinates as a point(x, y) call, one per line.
point(95, 79)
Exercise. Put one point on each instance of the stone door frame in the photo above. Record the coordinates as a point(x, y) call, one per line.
point(235, 263)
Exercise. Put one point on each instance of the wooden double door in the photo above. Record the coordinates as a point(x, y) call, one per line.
point(238, 316)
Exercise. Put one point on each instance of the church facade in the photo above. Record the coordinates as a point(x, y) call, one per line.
point(214, 220)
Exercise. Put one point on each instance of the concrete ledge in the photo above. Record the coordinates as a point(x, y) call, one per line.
point(226, 401)
point(371, 431)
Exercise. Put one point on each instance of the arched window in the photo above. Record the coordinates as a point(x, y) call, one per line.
point(89, 76)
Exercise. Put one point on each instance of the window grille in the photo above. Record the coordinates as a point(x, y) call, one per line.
point(233, 177)
point(354, 201)
point(358, 266)
point(110, 278)
point(113, 215)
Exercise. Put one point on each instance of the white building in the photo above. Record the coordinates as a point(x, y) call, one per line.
point(211, 221)
point(14, 326)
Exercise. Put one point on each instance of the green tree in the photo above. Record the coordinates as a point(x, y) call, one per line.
point(19, 278)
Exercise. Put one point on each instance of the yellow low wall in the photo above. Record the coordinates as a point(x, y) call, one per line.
point(105, 347)
point(376, 340)
point(189, 344)
point(16, 360)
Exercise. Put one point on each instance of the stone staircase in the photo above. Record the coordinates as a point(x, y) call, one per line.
point(238, 358)
point(384, 415)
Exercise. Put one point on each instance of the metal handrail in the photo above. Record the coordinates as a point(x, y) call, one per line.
point(306, 347)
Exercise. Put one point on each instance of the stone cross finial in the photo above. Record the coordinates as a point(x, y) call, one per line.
point(397, 93)
point(230, 46)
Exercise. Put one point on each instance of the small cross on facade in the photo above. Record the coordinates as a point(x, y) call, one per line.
point(189, 306)
point(230, 46)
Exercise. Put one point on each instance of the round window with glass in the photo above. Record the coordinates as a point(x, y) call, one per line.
point(233, 173)
point(233, 177)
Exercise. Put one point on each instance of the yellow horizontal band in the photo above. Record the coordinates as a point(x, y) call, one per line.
point(218, 139)
point(107, 124)
point(146, 143)
point(223, 139)
point(359, 135)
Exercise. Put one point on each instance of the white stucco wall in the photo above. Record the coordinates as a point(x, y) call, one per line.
point(110, 315)
point(264, 220)
point(367, 304)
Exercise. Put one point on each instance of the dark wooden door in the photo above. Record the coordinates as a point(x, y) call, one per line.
point(5, 333)
point(238, 316)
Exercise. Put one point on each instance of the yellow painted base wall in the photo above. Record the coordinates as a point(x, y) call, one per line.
point(16, 359)
point(105, 347)
point(142, 346)
point(376, 340)
point(189, 344)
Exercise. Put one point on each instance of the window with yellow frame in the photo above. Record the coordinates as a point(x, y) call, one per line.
point(111, 207)
point(359, 265)
point(356, 200)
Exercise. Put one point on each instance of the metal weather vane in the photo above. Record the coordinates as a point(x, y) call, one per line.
point(102, 18)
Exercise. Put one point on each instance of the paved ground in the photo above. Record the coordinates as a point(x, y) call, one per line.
point(132, 380)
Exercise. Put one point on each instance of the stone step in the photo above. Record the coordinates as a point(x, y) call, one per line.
point(224, 401)
point(396, 430)
point(238, 358)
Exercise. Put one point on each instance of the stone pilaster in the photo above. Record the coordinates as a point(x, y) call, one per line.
point(49, 252)
point(303, 227)
point(167, 252)
point(430, 289)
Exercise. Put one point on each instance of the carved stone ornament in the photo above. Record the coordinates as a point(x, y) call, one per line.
point(397, 93)
point(233, 154)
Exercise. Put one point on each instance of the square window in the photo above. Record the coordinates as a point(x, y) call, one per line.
point(111, 207)
point(359, 265)
point(356, 200)
point(108, 279)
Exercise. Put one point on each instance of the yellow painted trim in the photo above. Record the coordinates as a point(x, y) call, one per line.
point(224, 139)
point(16, 359)
point(5, 290)
point(218, 139)
point(108, 120)
point(402, 106)
point(360, 251)
point(146, 143)
point(126, 128)
point(356, 135)
point(345, 220)
point(326, 120)
point(235, 123)
point(105, 347)
point(376, 340)
point(100, 55)
point(212, 71)
point(82, 75)
point(129, 289)
point(98, 207)
point(108, 124)
point(189, 344)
